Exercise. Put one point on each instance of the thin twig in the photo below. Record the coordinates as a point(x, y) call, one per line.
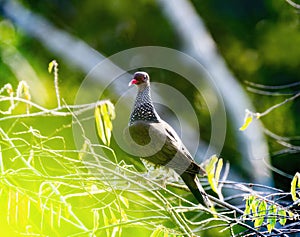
point(277, 105)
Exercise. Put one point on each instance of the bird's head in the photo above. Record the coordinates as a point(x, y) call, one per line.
point(139, 79)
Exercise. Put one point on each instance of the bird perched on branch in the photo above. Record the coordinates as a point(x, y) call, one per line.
point(156, 141)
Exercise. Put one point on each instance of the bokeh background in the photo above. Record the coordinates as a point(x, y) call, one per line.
point(259, 41)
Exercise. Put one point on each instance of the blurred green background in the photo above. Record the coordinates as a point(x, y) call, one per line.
point(258, 39)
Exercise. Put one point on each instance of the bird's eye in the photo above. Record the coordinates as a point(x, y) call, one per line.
point(145, 77)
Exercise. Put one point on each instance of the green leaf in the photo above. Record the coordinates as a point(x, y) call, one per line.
point(258, 221)
point(291, 215)
point(282, 216)
point(218, 170)
point(210, 170)
point(124, 200)
point(96, 219)
point(99, 125)
point(156, 232)
point(247, 206)
point(210, 167)
point(261, 213)
point(253, 205)
point(107, 123)
point(271, 217)
point(113, 219)
point(247, 120)
point(262, 208)
point(111, 110)
point(106, 222)
point(294, 182)
point(51, 65)
point(104, 113)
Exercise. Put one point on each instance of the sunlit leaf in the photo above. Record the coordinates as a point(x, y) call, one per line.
point(107, 123)
point(51, 215)
point(218, 170)
point(124, 200)
point(291, 215)
point(111, 110)
point(106, 222)
point(258, 221)
point(210, 170)
point(247, 206)
point(156, 232)
point(99, 125)
point(282, 216)
point(123, 215)
point(113, 219)
point(211, 165)
point(253, 204)
point(271, 220)
point(104, 113)
point(59, 215)
point(247, 120)
point(262, 210)
point(294, 184)
point(51, 65)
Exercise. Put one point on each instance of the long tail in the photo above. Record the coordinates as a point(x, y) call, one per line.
point(194, 185)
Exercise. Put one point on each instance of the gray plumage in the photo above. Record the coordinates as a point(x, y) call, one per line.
point(157, 142)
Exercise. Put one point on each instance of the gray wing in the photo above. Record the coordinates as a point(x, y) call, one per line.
point(182, 160)
point(160, 144)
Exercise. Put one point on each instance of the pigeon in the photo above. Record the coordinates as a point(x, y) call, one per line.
point(156, 141)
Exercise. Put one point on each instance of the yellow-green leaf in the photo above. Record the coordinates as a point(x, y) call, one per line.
point(218, 170)
point(99, 125)
point(51, 65)
point(258, 221)
point(106, 222)
point(107, 123)
point(262, 210)
point(96, 219)
point(294, 182)
point(113, 219)
point(282, 216)
point(253, 205)
point(156, 232)
point(247, 207)
point(210, 170)
point(291, 215)
point(271, 217)
point(111, 110)
point(247, 120)
point(211, 165)
point(124, 200)
point(123, 215)
point(104, 113)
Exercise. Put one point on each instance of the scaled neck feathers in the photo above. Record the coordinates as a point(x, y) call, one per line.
point(143, 109)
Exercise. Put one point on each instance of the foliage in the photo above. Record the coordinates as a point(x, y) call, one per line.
point(49, 187)
point(249, 115)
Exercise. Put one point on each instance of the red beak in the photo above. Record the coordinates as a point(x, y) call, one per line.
point(133, 82)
